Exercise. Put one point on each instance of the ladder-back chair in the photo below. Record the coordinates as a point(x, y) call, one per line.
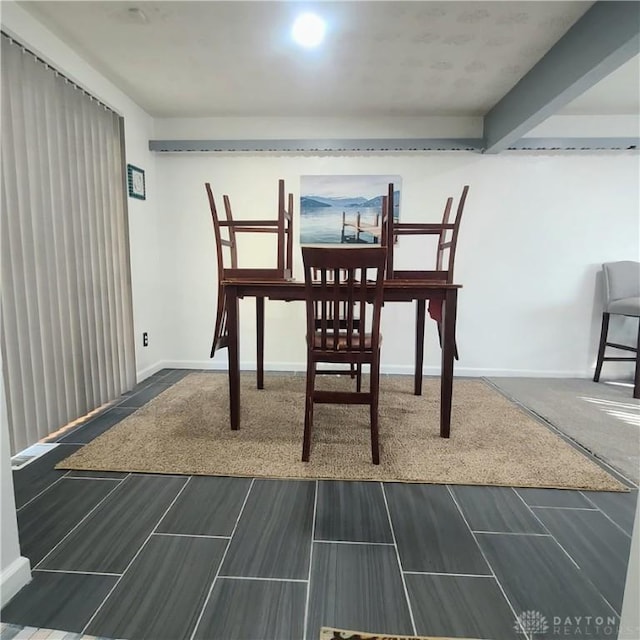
point(355, 370)
point(447, 233)
point(225, 232)
point(351, 280)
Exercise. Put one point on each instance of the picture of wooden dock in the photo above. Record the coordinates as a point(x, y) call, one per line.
point(352, 230)
point(344, 209)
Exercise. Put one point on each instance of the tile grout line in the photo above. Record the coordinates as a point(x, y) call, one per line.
point(546, 506)
point(121, 405)
point(493, 573)
point(544, 526)
point(90, 477)
point(376, 544)
point(82, 573)
point(453, 575)
point(395, 545)
point(76, 430)
point(138, 552)
point(145, 474)
point(64, 475)
point(313, 535)
point(511, 533)
point(297, 580)
point(188, 535)
point(224, 555)
point(597, 589)
point(118, 484)
point(606, 515)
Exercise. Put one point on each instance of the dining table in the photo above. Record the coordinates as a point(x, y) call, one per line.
point(443, 294)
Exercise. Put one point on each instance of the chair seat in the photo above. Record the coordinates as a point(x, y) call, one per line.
point(342, 344)
point(625, 307)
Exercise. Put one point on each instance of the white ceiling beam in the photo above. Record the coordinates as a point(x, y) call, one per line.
point(604, 38)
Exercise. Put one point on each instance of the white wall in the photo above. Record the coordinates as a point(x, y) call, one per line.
point(535, 231)
point(246, 128)
point(148, 308)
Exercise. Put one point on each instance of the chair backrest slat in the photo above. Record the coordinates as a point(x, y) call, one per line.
point(324, 313)
point(335, 305)
point(227, 251)
point(446, 231)
point(338, 294)
point(282, 225)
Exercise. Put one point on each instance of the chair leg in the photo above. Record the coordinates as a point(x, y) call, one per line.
point(455, 344)
point(603, 343)
point(419, 356)
point(359, 377)
point(636, 382)
point(375, 393)
point(220, 321)
point(308, 409)
point(260, 342)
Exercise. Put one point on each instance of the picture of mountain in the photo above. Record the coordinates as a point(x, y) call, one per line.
point(312, 203)
point(344, 209)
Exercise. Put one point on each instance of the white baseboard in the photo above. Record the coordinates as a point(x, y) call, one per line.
point(149, 371)
point(397, 369)
point(13, 578)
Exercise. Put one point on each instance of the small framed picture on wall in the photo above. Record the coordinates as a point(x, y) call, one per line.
point(135, 180)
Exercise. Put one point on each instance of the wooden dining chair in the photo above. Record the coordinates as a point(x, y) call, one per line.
point(447, 242)
point(621, 289)
point(226, 231)
point(351, 336)
point(355, 370)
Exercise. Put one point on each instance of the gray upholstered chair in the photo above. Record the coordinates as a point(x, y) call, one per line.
point(621, 283)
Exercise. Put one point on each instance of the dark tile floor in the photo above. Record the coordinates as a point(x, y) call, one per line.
point(208, 558)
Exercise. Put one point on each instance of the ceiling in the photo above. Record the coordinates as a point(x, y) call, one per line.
point(203, 59)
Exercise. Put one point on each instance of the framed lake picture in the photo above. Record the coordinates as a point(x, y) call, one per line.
point(344, 209)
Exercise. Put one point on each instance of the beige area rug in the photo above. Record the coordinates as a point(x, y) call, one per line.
point(185, 430)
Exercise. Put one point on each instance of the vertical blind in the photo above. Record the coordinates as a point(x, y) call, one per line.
point(67, 325)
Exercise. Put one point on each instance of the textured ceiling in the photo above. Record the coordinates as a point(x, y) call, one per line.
point(618, 93)
point(236, 58)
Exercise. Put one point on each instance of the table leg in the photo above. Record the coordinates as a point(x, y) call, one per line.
point(260, 342)
point(420, 316)
point(233, 348)
point(448, 351)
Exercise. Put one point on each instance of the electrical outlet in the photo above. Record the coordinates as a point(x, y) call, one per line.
point(145, 339)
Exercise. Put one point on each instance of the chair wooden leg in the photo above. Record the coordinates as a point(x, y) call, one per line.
point(260, 342)
point(375, 394)
point(308, 409)
point(636, 383)
point(455, 344)
point(359, 377)
point(220, 318)
point(603, 343)
point(420, 316)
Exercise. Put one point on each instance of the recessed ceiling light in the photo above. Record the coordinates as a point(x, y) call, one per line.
point(308, 30)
